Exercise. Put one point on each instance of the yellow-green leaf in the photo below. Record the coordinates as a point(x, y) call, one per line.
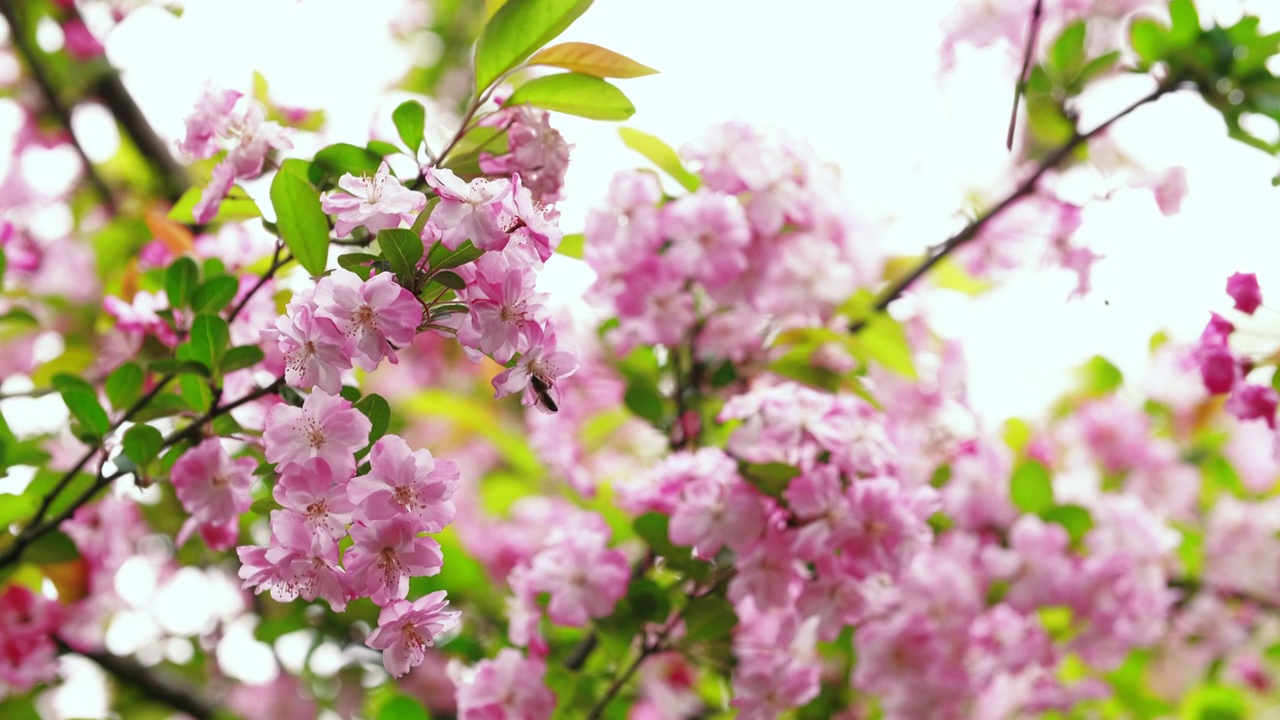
point(590, 59)
point(517, 30)
point(660, 154)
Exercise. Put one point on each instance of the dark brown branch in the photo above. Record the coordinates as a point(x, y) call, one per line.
point(277, 262)
point(1032, 34)
point(1027, 187)
point(54, 103)
point(157, 687)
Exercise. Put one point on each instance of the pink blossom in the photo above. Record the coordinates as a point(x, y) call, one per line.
point(315, 350)
point(709, 236)
point(583, 576)
point(385, 554)
point(142, 315)
point(502, 312)
point(317, 495)
point(529, 222)
point(376, 204)
point(405, 630)
point(1219, 368)
point(508, 686)
point(401, 481)
point(1217, 332)
point(768, 573)
point(378, 315)
point(254, 138)
point(1169, 189)
point(281, 699)
point(467, 211)
point(537, 372)
point(211, 117)
point(326, 426)
point(224, 176)
point(536, 151)
point(213, 487)
point(715, 512)
point(298, 562)
point(27, 652)
point(1249, 401)
point(1243, 288)
point(80, 41)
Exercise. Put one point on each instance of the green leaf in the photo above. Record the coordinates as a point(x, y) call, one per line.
point(195, 393)
point(660, 154)
point(590, 59)
point(382, 149)
point(1030, 488)
point(1185, 23)
point(770, 478)
point(375, 408)
point(124, 385)
point(17, 507)
point(884, 340)
point(180, 281)
point(232, 208)
point(708, 618)
point(403, 249)
point(82, 401)
point(402, 707)
point(343, 159)
point(302, 224)
point(1074, 518)
point(571, 245)
point(214, 294)
point(1067, 55)
point(450, 280)
point(173, 366)
point(51, 548)
point(575, 94)
point(442, 258)
point(210, 339)
point(241, 357)
point(643, 399)
point(1101, 65)
point(264, 506)
point(1099, 377)
point(142, 444)
point(162, 405)
point(517, 30)
point(1149, 39)
point(410, 118)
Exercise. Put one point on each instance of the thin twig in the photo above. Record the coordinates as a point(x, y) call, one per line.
point(1032, 34)
point(1027, 187)
point(277, 261)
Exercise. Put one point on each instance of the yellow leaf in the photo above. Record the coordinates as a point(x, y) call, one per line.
point(590, 59)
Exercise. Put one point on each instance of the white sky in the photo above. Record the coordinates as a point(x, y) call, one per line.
point(857, 80)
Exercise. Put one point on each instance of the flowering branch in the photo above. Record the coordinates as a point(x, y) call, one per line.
point(1027, 187)
point(36, 529)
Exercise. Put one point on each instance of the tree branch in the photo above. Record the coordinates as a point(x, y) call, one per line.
point(1028, 186)
point(36, 530)
point(160, 688)
point(1032, 34)
point(60, 110)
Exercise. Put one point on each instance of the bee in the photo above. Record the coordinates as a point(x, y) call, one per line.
point(543, 390)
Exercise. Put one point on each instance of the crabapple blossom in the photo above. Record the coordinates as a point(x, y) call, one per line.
point(377, 315)
point(376, 203)
point(503, 311)
point(467, 211)
point(405, 630)
point(507, 686)
point(316, 495)
point(209, 119)
point(536, 151)
point(537, 371)
point(212, 487)
point(325, 427)
point(385, 554)
point(224, 176)
point(315, 350)
point(1243, 289)
point(405, 483)
point(584, 577)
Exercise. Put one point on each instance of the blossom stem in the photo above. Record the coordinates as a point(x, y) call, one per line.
point(1028, 186)
point(277, 261)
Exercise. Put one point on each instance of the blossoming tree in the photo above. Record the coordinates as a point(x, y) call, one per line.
point(735, 485)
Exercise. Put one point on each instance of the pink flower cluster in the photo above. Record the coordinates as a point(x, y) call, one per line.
point(246, 135)
point(385, 510)
point(765, 243)
point(342, 322)
point(1224, 371)
point(376, 204)
point(536, 151)
point(508, 686)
